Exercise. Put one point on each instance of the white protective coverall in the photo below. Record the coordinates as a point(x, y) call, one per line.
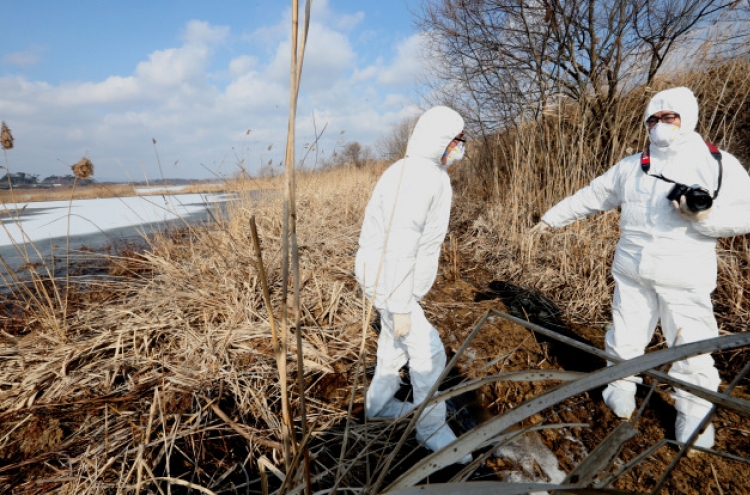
point(407, 242)
point(664, 266)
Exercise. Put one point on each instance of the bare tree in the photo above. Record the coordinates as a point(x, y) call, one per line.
point(352, 153)
point(507, 61)
point(393, 145)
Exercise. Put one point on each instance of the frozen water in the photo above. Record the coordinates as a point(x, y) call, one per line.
point(54, 226)
point(150, 189)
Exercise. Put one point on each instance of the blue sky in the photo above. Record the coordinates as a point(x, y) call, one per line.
point(207, 80)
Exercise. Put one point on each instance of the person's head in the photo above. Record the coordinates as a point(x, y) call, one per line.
point(670, 114)
point(434, 132)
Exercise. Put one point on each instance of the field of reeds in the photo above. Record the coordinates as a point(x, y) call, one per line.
point(185, 375)
point(523, 173)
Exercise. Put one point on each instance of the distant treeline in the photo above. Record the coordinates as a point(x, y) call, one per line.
point(22, 180)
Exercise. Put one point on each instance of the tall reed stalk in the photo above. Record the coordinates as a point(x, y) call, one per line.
point(289, 234)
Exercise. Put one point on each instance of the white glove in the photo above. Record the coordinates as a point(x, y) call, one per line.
point(689, 215)
point(541, 228)
point(401, 324)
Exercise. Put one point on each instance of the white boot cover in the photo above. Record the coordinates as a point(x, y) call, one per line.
point(620, 397)
point(396, 409)
point(685, 426)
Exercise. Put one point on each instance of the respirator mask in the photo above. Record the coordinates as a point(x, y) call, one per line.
point(663, 135)
point(454, 154)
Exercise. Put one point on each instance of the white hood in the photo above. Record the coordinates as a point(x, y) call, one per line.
point(688, 159)
point(434, 131)
point(679, 100)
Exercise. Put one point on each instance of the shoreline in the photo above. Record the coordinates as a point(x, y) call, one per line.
point(46, 254)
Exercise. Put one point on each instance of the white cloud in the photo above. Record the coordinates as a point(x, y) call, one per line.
point(113, 90)
point(322, 13)
point(328, 57)
point(174, 66)
point(368, 73)
point(408, 64)
point(396, 101)
point(170, 97)
point(349, 22)
point(242, 65)
point(19, 97)
point(201, 32)
point(253, 90)
point(21, 59)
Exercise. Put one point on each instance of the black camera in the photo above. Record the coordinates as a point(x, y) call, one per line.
point(696, 198)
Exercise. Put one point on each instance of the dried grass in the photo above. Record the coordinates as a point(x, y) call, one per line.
point(547, 160)
point(170, 381)
point(83, 169)
point(149, 378)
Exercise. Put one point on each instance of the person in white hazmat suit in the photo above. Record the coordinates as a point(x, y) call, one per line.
point(665, 262)
point(405, 223)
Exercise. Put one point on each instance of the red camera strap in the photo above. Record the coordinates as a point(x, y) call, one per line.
point(646, 164)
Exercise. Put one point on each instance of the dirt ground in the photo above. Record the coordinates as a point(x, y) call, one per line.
point(455, 306)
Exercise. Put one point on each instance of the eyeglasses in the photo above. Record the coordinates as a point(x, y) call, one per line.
point(668, 118)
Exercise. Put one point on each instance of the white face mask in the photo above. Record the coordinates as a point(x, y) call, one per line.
point(452, 155)
point(662, 135)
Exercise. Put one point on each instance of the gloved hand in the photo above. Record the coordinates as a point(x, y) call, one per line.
point(689, 215)
point(401, 324)
point(541, 228)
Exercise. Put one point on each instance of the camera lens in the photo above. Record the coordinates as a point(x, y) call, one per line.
point(698, 199)
point(677, 191)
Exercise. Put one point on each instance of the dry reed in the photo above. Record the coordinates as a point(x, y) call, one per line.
point(545, 162)
point(169, 380)
point(6, 138)
point(83, 169)
point(147, 378)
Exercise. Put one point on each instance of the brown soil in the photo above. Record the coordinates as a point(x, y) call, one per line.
point(456, 305)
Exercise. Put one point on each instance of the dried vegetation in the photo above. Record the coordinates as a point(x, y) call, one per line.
point(168, 368)
point(165, 380)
